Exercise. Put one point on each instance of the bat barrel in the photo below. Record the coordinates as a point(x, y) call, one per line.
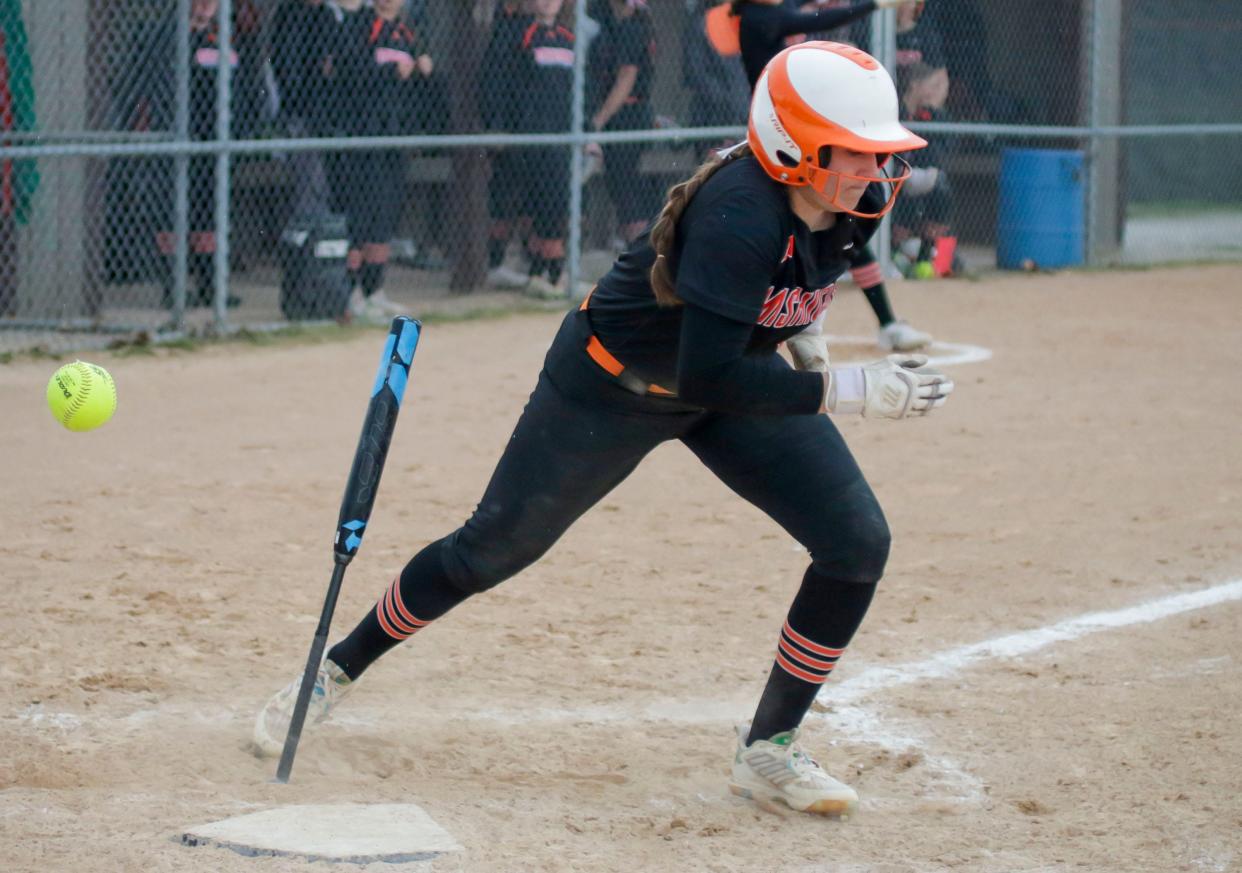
point(377, 428)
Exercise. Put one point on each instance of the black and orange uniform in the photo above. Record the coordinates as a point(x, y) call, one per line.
point(920, 44)
point(385, 109)
point(546, 74)
point(624, 42)
point(381, 103)
point(147, 88)
point(764, 28)
point(625, 374)
point(500, 107)
point(301, 34)
point(346, 60)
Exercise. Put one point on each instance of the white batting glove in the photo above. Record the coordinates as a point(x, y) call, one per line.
point(809, 349)
point(899, 386)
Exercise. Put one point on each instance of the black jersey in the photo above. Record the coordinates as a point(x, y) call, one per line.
point(205, 61)
point(300, 34)
point(920, 44)
point(741, 253)
point(621, 42)
point(500, 94)
point(385, 103)
point(763, 28)
point(547, 78)
point(345, 69)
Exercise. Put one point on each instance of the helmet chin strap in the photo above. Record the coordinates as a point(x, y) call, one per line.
point(822, 179)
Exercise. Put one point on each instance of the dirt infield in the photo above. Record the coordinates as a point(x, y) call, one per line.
point(162, 577)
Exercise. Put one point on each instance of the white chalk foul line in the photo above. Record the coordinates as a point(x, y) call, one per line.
point(939, 354)
point(953, 661)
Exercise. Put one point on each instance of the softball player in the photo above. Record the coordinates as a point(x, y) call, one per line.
point(546, 73)
point(500, 101)
point(379, 61)
point(679, 341)
point(764, 25)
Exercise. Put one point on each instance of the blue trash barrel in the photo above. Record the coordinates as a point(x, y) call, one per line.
point(1040, 214)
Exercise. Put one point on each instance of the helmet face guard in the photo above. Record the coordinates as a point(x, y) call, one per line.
point(828, 183)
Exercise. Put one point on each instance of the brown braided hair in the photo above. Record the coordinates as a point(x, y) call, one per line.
point(664, 231)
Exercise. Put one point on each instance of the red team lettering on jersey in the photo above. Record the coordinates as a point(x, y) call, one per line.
point(794, 307)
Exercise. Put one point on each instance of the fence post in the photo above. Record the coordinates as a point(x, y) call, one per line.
point(1103, 37)
point(181, 166)
point(224, 95)
point(573, 267)
point(884, 49)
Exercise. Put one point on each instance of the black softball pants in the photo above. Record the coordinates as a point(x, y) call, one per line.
point(581, 434)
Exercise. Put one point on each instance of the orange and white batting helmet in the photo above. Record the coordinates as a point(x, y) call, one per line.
point(817, 95)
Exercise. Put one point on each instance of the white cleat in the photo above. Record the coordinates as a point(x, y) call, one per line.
point(778, 771)
point(541, 289)
point(504, 277)
point(382, 303)
point(897, 336)
point(272, 725)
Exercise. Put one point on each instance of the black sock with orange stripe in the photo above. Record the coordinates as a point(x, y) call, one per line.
point(372, 278)
point(555, 267)
point(421, 594)
point(821, 623)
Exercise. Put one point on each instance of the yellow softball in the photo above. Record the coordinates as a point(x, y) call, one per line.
point(81, 396)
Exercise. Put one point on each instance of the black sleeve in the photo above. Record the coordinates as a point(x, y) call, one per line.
point(714, 371)
point(729, 245)
point(933, 48)
point(632, 40)
point(791, 21)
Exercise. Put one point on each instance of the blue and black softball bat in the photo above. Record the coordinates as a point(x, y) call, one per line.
point(364, 477)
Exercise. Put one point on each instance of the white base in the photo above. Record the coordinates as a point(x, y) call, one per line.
point(358, 833)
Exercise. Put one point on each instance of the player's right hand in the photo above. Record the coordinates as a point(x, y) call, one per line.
point(899, 386)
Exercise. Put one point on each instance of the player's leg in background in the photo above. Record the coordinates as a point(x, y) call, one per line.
point(628, 189)
point(387, 170)
point(504, 191)
point(894, 334)
point(549, 207)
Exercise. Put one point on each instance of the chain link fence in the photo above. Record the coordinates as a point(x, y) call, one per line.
point(173, 166)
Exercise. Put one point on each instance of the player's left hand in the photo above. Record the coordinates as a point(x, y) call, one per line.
point(809, 351)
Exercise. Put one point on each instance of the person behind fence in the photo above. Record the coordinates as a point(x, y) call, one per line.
point(500, 103)
point(679, 342)
point(149, 80)
point(764, 27)
point(918, 40)
point(300, 35)
point(923, 216)
point(546, 77)
point(619, 64)
point(719, 92)
point(379, 60)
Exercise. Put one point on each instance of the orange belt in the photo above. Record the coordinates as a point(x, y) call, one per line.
point(604, 358)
